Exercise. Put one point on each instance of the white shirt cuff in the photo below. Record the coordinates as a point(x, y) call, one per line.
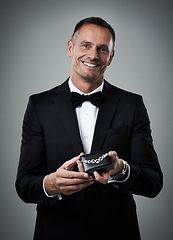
point(111, 180)
point(57, 195)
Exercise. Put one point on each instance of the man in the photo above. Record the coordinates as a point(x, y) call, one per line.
point(56, 132)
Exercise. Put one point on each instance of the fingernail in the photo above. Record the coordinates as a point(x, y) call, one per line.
point(85, 175)
point(113, 154)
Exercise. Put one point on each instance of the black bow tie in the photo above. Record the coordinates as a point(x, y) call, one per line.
point(78, 99)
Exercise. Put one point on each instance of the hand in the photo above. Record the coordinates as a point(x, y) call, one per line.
point(67, 181)
point(118, 166)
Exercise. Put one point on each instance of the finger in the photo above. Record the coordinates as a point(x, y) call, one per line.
point(101, 178)
point(81, 154)
point(79, 164)
point(113, 155)
point(67, 190)
point(68, 165)
point(73, 181)
point(63, 173)
point(80, 167)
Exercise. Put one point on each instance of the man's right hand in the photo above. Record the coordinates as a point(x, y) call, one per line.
point(67, 181)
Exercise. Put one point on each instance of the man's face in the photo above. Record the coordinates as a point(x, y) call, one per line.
point(91, 52)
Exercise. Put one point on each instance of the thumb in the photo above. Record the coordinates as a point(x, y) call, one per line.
point(113, 155)
point(68, 165)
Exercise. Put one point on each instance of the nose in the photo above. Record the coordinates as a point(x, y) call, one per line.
point(93, 54)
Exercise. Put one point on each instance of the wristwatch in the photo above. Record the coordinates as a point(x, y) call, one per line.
point(121, 175)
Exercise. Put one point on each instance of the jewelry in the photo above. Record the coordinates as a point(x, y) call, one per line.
point(98, 160)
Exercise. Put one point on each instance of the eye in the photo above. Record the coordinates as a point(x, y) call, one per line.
point(103, 50)
point(85, 45)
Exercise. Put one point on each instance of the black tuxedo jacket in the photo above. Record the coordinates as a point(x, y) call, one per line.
point(51, 137)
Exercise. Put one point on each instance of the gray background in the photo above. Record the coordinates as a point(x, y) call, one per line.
point(33, 58)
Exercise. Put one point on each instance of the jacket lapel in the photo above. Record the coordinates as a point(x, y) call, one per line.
point(67, 114)
point(106, 113)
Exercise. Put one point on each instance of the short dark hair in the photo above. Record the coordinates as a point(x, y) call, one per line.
point(96, 21)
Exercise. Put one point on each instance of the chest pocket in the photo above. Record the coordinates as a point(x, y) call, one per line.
point(117, 131)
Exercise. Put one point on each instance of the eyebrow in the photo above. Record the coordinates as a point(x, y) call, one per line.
point(86, 42)
point(100, 46)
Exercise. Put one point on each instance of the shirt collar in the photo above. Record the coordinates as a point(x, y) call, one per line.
point(73, 88)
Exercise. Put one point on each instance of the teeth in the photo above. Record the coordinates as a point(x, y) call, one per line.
point(89, 64)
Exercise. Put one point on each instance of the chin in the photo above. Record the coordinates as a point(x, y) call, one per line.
point(91, 79)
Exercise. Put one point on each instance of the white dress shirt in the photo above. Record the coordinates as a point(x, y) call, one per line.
point(86, 117)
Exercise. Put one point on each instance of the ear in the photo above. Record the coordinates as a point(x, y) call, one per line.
point(70, 48)
point(111, 57)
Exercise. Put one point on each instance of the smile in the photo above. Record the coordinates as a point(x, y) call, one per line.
point(90, 64)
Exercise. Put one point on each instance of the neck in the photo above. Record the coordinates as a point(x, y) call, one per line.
point(86, 86)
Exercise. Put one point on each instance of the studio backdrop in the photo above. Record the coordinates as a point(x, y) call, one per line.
point(33, 58)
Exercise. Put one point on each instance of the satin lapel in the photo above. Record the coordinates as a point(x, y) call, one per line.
point(106, 113)
point(67, 114)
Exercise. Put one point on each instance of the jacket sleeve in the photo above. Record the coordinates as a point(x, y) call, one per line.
point(146, 177)
point(32, 163)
